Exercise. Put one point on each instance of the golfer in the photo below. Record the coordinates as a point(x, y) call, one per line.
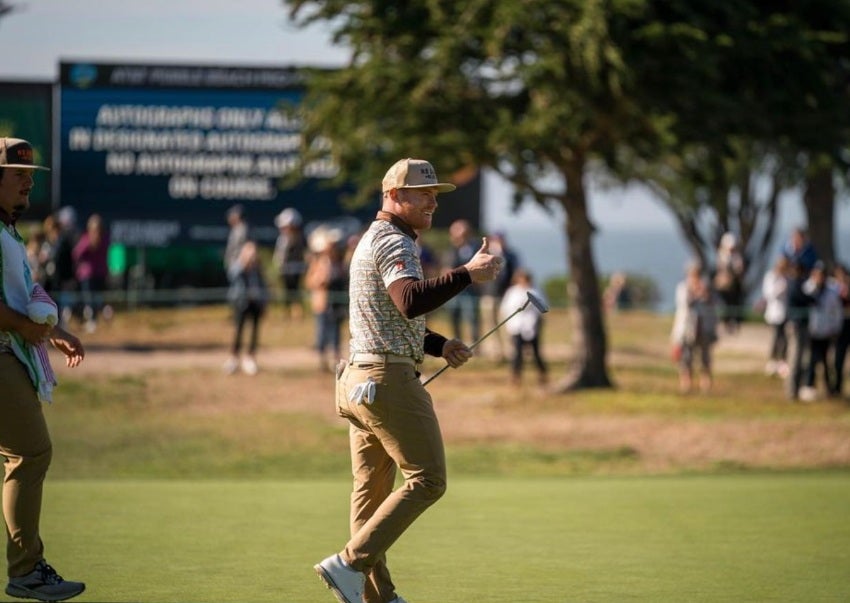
point(391, 416)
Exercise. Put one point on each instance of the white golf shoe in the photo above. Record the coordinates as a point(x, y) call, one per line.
point(249, 366)
point(346, 583)
point(808, 394)
point(230, 366)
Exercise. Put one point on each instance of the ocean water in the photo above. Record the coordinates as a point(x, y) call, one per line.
point(658, 253)
point(636, 233)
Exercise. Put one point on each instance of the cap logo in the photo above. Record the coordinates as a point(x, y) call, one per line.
point(21, 154)
point(428, 173)
point(17, 153)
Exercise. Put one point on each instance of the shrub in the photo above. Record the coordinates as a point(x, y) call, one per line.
point(642, 291)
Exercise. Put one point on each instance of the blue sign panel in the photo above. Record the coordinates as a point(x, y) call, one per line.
point(161, 152)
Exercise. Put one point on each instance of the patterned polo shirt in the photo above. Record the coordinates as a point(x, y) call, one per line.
point(383, 255)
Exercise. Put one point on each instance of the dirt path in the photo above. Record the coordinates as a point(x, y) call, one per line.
point(472, 412)
point(744, 351)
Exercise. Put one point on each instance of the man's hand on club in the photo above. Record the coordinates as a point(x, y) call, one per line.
point(483, 266)
point(456, 352)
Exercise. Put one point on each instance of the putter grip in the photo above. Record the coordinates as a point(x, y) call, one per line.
point(445, 366)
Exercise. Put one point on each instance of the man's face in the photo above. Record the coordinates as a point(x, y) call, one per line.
point(15, 188)
point(416, 206)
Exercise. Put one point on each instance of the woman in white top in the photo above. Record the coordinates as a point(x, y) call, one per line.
point(694, 328)
point(524, 328)
point(774, 291)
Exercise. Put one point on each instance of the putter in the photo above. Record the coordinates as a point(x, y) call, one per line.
point(533, 299)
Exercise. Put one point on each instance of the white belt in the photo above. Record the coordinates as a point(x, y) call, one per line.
point(381, 358)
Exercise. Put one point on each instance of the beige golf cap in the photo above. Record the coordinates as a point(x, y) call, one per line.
point(17, 153)
point(414, 173)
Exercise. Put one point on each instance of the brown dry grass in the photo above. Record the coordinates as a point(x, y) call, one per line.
point(642, 425)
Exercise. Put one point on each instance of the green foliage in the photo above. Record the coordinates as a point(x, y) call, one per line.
point(700, 100)
point(754, 91)
point(518, 87)
point(643, 290)
point(555, 289)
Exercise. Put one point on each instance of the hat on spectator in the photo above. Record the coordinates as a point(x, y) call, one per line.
point(728, 240)
point(323, 237)
point(414, 173)
point(67, 217)
point(288, 217)
point(17, 153)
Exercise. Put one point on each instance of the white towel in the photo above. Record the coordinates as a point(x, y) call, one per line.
point(43, 310)
point(17, 291)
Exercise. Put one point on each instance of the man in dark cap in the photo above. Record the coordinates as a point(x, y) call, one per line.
point(24, 439)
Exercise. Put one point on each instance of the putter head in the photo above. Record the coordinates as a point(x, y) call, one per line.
point(537, 302)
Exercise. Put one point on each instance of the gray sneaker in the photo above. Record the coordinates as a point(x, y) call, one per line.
point(43, 584)
point(346, 583)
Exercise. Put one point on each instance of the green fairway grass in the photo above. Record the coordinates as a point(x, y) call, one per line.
point(753, 537)
point(172, 482)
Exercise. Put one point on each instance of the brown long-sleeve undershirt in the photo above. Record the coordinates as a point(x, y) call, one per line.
point(414, 297)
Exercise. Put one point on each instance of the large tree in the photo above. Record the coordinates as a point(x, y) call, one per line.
point(700, 99)
point(534, 90)
point(770, 115)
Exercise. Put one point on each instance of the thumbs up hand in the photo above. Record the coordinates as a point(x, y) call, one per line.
point(482, 266)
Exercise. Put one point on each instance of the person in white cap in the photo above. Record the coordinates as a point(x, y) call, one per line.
point(24, 438)
point(729, 281)
point(236, 235)
point(327, 282)
point(290, 259)
point(392, 423)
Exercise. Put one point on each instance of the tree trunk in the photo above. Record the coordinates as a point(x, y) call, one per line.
point(819, 201)
point(590, 346)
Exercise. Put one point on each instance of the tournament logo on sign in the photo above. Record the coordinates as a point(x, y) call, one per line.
point(83, 75)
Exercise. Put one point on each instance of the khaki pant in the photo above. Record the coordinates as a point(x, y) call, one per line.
point(399, 429)
point(25, 443)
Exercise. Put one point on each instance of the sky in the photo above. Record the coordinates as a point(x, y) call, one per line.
point(245, 32)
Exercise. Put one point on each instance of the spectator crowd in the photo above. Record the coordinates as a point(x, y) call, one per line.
point(72, 266)
point(312, 263)
point(805, 302)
